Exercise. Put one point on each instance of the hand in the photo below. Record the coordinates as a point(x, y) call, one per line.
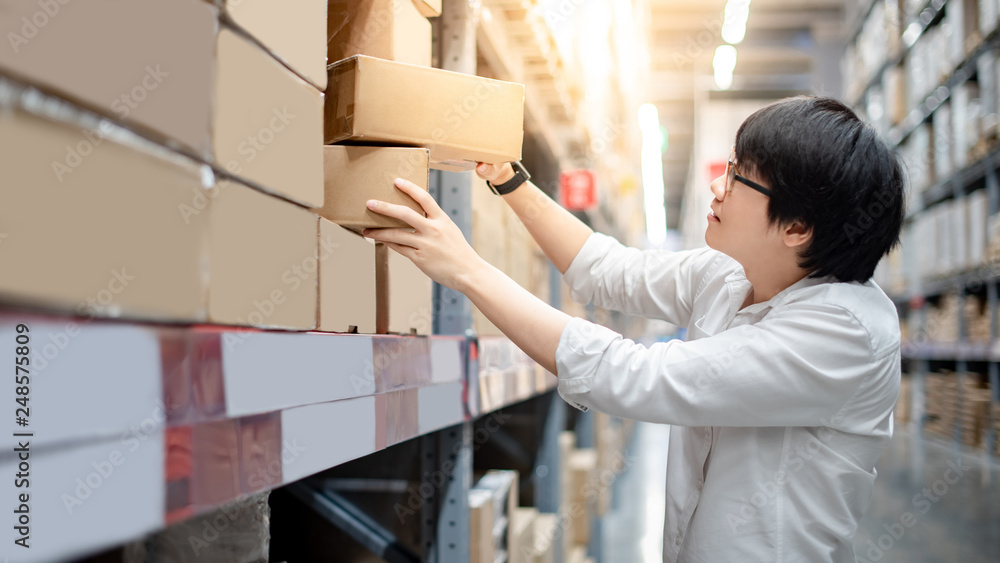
point(437, 246)
point(495, 173)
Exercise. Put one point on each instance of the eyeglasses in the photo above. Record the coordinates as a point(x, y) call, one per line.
point(732, 177)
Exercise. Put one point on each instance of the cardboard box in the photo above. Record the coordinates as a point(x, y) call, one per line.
point(355, 174)
point(522, 526)
point(386, 29)
point(208, 91)
point(346, 280)
point(292, 31)
point(96, 227)
point(481, 548)
point(263, 266)
point(546, 530)
point(428, 8)
point(404, 295)
point(461, 118)
point(583, 473)
point(161, 80)
point(267, 124)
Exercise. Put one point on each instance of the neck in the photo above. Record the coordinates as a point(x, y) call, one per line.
point(770, 280)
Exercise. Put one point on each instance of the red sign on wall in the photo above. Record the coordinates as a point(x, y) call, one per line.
point(578, 190)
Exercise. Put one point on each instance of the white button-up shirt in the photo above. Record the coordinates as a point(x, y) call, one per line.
point(779, 410)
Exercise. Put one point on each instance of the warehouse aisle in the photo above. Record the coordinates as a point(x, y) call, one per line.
point(953, 497)
point(633, 530)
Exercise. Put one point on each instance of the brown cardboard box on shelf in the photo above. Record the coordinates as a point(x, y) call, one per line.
point(262, 260)
point(522, 527)
point(481, 520)
point(266, 125)
point(355, 174)
point(428, 8)
point(461, 118)
point(147, 63)
point(489, 240)
point(291, 31)
point(403, 294)
point(546, 529)
point(387, 29)
point(582, 471)
point(181, 81)
point(346, 280)
point(105, 237)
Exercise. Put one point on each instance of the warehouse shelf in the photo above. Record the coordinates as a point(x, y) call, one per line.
point(927, 17)
point(963, 71)
point(216, 413)
point(951, 351)
point(968, 176)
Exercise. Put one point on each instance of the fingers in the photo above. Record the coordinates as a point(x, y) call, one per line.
point(394, 236)
point(401, 212)
point(402, 249)
point(420, 195)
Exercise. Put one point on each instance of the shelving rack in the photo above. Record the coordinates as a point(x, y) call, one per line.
point(220, 413)
point(900, 101)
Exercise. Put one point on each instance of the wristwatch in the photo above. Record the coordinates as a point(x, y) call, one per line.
point(520, 176)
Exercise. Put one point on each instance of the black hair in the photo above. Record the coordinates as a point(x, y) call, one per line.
point(832, 172)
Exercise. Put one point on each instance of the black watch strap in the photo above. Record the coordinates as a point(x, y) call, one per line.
point(520, 176)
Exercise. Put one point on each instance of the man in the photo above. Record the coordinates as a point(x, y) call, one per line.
point(781, 398)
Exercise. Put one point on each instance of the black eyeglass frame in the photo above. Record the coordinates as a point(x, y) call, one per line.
point(732, 176)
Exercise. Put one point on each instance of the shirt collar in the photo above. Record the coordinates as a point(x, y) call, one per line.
point(739, 284)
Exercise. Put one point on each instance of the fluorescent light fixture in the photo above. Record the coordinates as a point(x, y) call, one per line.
point(652, 174)
point(734, 24)
point(724, 64)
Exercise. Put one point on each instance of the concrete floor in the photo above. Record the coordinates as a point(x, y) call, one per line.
point(957, 518)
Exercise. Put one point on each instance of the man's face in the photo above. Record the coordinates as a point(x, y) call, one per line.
point(737, 223)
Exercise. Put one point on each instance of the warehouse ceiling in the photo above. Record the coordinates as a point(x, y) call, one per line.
point(790, 47)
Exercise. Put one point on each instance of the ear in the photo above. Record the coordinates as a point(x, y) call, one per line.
point(796, 234)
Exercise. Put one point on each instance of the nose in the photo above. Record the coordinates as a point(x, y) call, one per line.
point(718, 187)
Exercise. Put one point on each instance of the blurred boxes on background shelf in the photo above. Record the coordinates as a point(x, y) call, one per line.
point(904, 402)
point(582, 500)
point(940, 403)
point(503, 487)
point(522, 526)
point(977, 319)
point(346, 280)
point(375, 100)
point(546, 530)
point(292, 31)
point(404, 294)
point(263, 263)
point(481, 520)
point(355, 174)
point(942, 319)
point(393, 30)
point(977, 215)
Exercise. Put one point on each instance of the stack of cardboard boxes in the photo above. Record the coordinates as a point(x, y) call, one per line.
point(166, 161)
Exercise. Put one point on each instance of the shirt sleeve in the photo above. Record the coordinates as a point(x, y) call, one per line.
point(798, 368)
point(654, 283)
